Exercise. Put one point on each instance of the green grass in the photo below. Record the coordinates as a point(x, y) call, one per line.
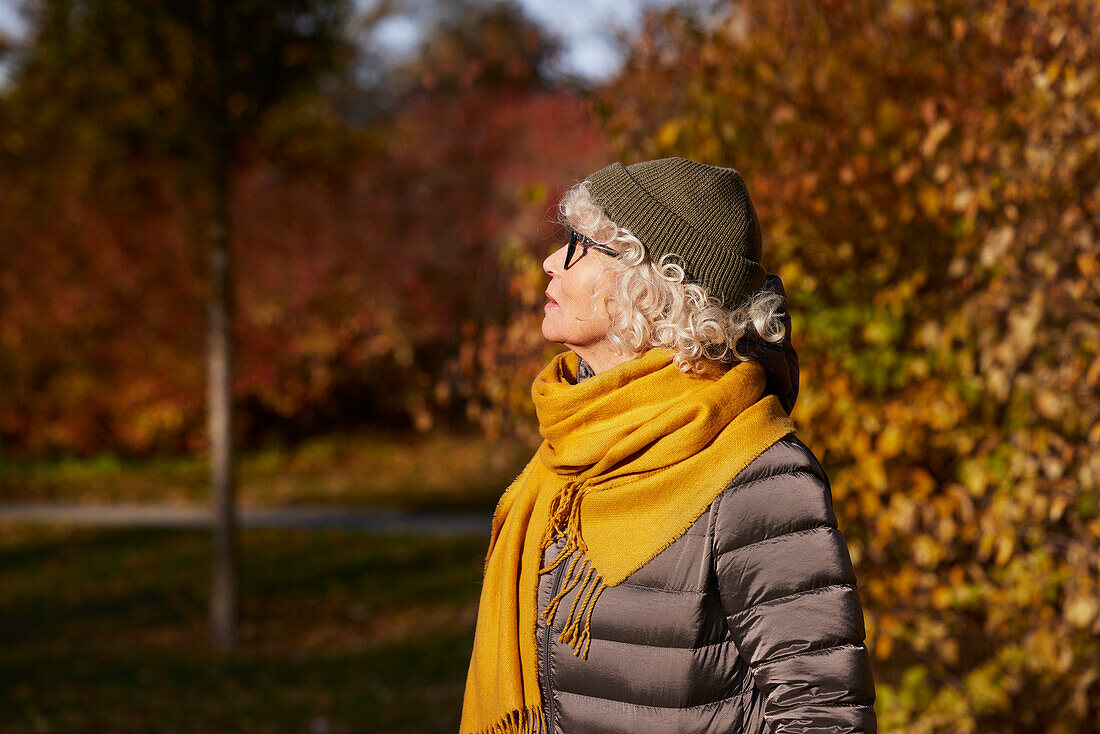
point(105, 631)
point(439, 472)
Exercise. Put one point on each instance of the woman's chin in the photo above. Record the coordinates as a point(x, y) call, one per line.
point(549, 333)
point(551, 329)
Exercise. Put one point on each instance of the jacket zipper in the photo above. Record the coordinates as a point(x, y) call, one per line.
point(558, 573)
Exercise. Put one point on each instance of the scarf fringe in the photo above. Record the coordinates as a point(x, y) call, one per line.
point(565, 520)
point(577, 632)
point(565, 512)
point(527, 721)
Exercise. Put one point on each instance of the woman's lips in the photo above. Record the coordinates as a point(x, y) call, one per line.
point(551, 303)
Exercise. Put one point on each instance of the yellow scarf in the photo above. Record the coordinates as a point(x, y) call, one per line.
point(631, 458)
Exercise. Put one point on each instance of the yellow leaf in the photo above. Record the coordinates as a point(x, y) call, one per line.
point(1005, 545)
point(935, 136)
point(1080, 611)
point(668, 133)
point(930, 200)
point(890, 442)
point(1087, 264)
point(884, 645)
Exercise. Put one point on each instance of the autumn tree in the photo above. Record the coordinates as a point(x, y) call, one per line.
point(475, 160)
point(370, 248)
point(108, 83)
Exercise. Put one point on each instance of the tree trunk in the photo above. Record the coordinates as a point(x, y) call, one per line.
point(220, 310)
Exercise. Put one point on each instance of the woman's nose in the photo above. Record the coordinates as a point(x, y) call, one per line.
point(552, 264)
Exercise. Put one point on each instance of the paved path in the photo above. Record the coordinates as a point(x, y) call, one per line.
point(304, 516)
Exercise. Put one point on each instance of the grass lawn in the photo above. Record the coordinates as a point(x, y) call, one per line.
point(435, 472)
point(105, 631)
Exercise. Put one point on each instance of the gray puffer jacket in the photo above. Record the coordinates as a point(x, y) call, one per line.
point(749, 622)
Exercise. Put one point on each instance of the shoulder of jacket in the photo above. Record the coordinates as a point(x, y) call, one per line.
point(788, 455)
point(783, 490)
point(789, 461)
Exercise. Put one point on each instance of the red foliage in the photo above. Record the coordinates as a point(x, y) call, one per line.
point(353, 283)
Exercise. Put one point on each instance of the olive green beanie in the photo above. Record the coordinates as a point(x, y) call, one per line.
point(699, 214)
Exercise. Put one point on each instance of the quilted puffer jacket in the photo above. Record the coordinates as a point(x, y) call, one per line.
point(749, 622)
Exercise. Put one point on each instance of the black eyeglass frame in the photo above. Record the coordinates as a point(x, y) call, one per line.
point(585, 243)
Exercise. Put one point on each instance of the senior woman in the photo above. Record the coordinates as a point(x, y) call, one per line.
point(669, 561)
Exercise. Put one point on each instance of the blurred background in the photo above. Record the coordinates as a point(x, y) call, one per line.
point(383, 177)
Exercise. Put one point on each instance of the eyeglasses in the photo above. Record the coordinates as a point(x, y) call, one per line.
point(585, 243)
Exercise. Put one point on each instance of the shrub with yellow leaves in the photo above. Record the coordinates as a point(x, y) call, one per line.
point(928, 178)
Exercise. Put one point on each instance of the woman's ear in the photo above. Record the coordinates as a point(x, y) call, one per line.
point(611, 304)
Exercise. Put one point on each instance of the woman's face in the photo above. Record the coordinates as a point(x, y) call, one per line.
point(573, 316)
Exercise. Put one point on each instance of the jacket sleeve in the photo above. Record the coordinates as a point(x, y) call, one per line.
point(789, 594)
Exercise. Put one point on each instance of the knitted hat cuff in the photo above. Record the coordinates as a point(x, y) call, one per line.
point(731, 278)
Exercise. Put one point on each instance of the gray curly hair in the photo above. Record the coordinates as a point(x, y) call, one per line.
point(654, 306)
